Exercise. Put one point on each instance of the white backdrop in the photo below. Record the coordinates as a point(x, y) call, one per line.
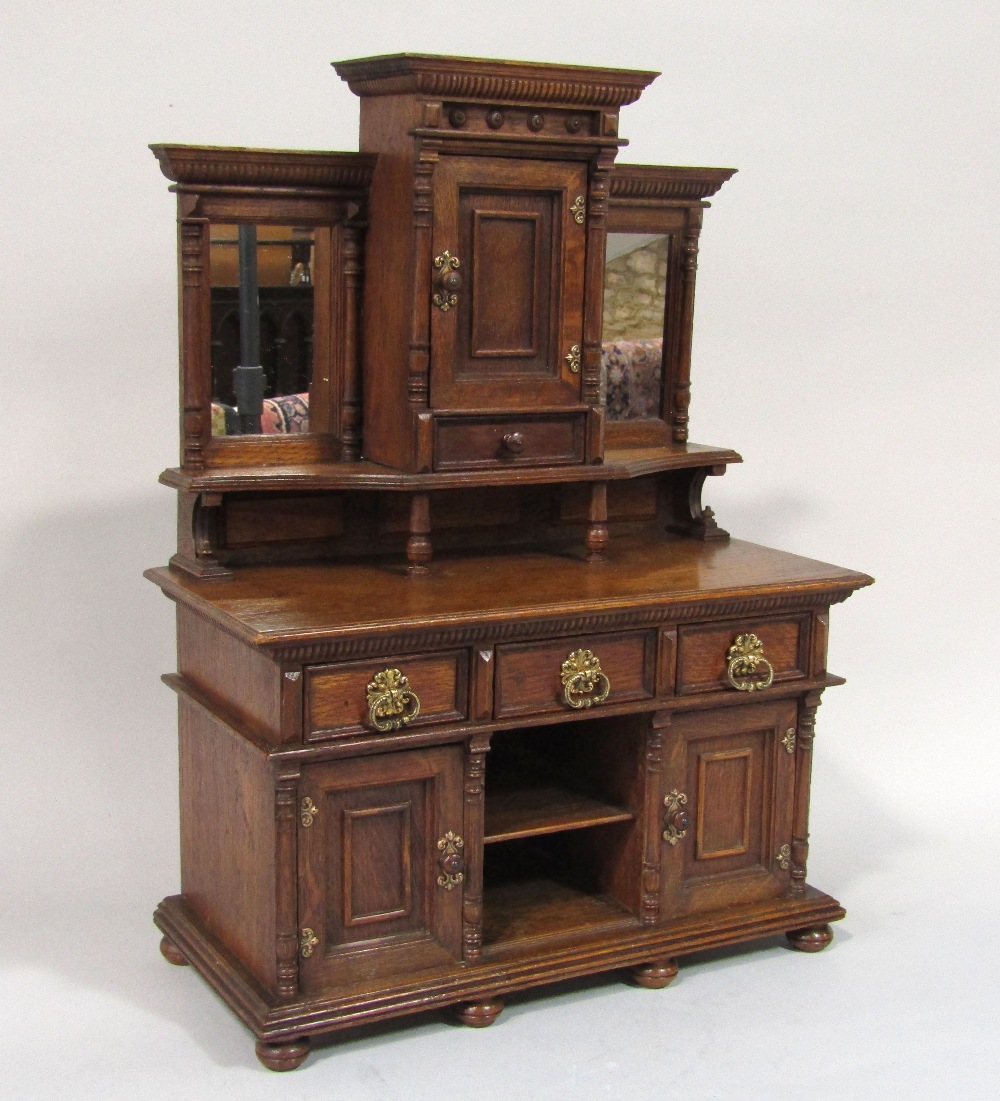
point(846, 343)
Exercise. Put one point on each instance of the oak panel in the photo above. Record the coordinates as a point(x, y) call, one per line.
point(702, 661)
point(335, 695)
point(528, 675)
point(475, 443)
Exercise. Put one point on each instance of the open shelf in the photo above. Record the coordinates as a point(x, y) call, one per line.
point(546, 808)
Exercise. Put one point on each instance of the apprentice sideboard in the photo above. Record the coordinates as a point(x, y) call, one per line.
point(475, 694)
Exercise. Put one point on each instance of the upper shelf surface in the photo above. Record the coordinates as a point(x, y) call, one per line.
point(276, 605)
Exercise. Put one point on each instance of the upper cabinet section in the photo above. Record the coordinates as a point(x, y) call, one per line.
point(480, 288)
point(488, 221)
point(270, 247)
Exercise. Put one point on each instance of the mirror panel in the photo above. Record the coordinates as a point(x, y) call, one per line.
point(261, 371)
point(636, 276)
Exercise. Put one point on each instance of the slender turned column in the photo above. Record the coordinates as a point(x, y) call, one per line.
point(681, 397)
point(597, 532)
point(472, 900)
point(418, 547)
point(286, 875)
point(353, 271)
point(803, 773)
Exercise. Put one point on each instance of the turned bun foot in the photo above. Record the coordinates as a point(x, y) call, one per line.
point(814, 938)
point(171, 952)
point(655, 976)
point(286, 1056)
point(479, 1014)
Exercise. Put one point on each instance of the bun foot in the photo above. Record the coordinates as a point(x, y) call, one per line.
point(171, 952)
point(814, 938)
point(285, 1056)
point(655, 976)
point(479, 1014)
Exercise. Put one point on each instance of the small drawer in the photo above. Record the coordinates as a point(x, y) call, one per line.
point(338, 703)
point(530, 676)
point(705, 654)
point(525, 439)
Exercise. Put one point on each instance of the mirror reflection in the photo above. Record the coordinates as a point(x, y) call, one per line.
point(262, 328)
point(635, 300)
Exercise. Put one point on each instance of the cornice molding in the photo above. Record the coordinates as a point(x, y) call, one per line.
point(652, 181)
point(208, 165)
point(491, 80)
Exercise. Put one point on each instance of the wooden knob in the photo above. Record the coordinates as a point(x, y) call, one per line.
point(451, 280)
point(513, 442)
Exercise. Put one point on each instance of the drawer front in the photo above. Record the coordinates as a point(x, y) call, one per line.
point(480, 443)
point(705, 657)
point(529, 676)
point(338, 703)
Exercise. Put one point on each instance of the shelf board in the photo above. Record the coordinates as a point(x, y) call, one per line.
point(532, 811)
point(520, 911)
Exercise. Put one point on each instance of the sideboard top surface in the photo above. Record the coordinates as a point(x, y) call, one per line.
point(275, 605)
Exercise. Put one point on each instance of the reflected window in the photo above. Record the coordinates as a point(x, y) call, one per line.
point(262, 328)
point(635, 300)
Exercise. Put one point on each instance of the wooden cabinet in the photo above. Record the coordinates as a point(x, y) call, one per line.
point(471, 701)
point(370, 901)
point(504, 337)
point(729, 784)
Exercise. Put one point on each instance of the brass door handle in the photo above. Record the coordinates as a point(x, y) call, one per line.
point(745, 657)
point(447, 280)
point(392, 704)
point(583, 681)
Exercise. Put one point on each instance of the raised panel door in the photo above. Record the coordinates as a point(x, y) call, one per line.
point(727, 806)
point(503, 326)
point(369, 865)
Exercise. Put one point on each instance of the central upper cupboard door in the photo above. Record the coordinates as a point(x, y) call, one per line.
point(507, 284)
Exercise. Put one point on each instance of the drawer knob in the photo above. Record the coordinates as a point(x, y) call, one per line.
point(746, 659)
point(513, 442)
point(392, 704)
point(584, 684)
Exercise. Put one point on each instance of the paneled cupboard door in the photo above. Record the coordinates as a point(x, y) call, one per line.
point(381, 862)
point(727, 804)
point(507, 301)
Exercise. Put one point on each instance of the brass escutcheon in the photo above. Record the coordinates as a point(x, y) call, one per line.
point(391, 702)
point(675, 821)
point(584, 684)
point(579, 210)
point(447, 280)
point(308, 941)
point(572, 358)
point(451, 861)
point(745, 656)
point(307, 812)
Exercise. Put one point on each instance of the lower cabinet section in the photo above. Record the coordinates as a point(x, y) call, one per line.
point(729, 785)
point(381, 859)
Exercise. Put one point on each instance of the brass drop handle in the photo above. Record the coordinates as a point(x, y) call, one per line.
point(513, 442)
point(451, 861)
point(583, 681)
point(392, 704)
point(675, 821)
point(746, 657)
point(447, 280)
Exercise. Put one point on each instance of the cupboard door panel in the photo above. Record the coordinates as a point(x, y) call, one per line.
point(502, 341)
point(368, 865)
point(727, 807)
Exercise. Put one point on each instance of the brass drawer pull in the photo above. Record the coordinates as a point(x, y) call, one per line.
point(745, 657)
point(391, 702)
point(583, 682)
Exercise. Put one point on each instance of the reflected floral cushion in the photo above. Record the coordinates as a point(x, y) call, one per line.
point(284, 415)
point(631, 374)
